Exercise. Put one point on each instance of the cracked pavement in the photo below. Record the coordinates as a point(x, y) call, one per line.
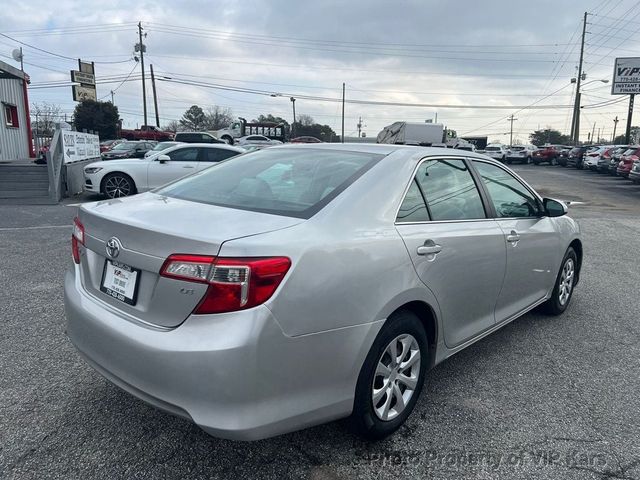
point(541, 398)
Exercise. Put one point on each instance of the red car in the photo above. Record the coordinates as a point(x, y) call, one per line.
point(548, 153)
point(626, 161)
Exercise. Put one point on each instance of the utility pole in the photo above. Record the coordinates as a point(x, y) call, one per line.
point(293, 125)
point(112, 94)
point(598, 136)
point(629, 115)
point(342, 112)
point(593, 131)
point(615, 125)
point(155, 97)
point(21, 61)
point(144, 92)
point(359, 126)
point(511, 119)
point(575, 125)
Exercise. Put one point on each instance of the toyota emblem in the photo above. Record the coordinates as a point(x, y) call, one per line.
point(113, 247)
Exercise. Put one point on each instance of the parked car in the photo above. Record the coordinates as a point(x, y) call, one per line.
point(469, 147)
point(306, 139)
point(575, 157)
point(160, 146)
point(196, 137)
point(109, 144)
point(615, 159)
point(563, 154)
point(146, 132)
point(634, 173)
point(546, 154)
point(257, 140)
point(224, 298)
point(626, 161)
point(520, 153)
point(593, 155)
point(121, 178)
point(127, 150)
point(497, 151)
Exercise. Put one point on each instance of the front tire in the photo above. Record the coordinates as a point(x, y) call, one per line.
point(391, 378)
point(565, 281)
point(528, 162)
point(117, 185)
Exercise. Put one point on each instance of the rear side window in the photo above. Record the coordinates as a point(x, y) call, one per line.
point(291, 182)
point(413, 208)
point(449, 190)
point(217, 154)
point(510, 198)
point(184, 155)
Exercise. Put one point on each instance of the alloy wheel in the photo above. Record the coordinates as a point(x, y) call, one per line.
point(566, 281)
point(396, 377)
point(117, 186)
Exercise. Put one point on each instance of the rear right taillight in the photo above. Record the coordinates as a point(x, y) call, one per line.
point(77, 239)
point(234, 283)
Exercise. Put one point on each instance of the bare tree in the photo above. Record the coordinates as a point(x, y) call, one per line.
point(305, 120)
point(44, 116)
point(218, 117)
point(172, 126)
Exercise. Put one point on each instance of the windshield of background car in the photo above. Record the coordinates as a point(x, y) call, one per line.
point(124, 146)
point(163, 146)
point(492, 149)
point(517, 149)
point(289, 182)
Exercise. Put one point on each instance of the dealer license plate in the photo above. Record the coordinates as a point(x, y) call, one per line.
point(120, 281)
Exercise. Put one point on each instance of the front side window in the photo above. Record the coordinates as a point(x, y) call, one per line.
point(294, 182)
point(184, 155)
point(510, 198)
point(450, 191)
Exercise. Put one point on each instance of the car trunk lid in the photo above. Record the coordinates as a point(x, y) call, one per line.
point(146, 229)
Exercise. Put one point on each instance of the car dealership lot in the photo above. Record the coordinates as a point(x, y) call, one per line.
point(541, 398)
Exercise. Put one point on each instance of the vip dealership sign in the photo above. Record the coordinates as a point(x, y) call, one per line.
point(626, 76)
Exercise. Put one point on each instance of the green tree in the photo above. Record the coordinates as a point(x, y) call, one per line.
point(194, 119)
point(548, 135)
point(271, 119)
point(306, 126)
point(101, 117)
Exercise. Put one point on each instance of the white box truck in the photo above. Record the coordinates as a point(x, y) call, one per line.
point(423, 134)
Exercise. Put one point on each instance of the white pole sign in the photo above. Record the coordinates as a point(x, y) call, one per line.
point(626, 76)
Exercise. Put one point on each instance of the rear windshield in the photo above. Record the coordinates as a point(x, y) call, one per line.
point(517, 148)
point(492, 149)
point(125, 146)
point(291, 182)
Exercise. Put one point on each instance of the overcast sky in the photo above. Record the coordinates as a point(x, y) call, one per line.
point(468, 53)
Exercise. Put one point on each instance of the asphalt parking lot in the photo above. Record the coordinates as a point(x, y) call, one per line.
point(541, 398)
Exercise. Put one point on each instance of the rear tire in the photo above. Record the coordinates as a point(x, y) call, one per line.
point(554, 162)
point(528, 161)
point(563, 288)
point(381, 382)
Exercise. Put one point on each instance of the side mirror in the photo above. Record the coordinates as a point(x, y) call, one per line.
point(555, 208)
point(163, 158)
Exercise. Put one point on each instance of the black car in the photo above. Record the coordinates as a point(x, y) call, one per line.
point(576, 157)
point(563, 155)
point(128, 150)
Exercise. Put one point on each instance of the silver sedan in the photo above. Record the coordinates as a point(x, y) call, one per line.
point(301, 284)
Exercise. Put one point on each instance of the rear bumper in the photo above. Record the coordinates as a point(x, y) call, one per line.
point(235, 375)
point(634, 176)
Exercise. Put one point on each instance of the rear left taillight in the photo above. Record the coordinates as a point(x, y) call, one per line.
point(234, 283)
point(77, 239)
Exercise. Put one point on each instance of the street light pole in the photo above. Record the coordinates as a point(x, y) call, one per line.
point(144, 90)
point(293, 125)
point(511, 119)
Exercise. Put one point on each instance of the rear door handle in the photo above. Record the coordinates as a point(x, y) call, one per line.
point(513, 237)
point(429, 248)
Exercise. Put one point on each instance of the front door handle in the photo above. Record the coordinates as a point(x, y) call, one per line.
point(187, 166)
point(513, 237)
point(429, 248)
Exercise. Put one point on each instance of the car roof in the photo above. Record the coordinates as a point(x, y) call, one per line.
point(222, 146)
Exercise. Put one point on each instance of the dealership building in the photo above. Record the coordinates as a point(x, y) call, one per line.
point(15, 131)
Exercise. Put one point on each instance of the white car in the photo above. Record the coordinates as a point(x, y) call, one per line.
point(497, 151)
point(257, 140)
point(121, 178)
point(521, 153)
